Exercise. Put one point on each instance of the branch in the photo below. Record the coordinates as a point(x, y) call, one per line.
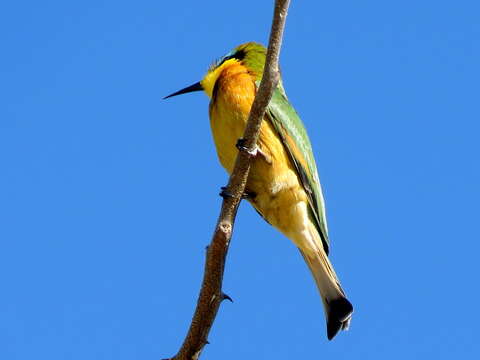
point(211, 294)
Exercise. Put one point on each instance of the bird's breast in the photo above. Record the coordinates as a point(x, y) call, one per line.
point(231, 101)
point(274, 182)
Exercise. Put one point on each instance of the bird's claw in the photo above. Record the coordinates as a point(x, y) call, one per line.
point(226, 194)
point(256, 151)
point(240, 145)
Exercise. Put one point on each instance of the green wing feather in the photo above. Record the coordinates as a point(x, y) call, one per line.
point(295, 139)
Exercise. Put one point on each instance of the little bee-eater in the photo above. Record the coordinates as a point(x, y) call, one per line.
point(283, 183)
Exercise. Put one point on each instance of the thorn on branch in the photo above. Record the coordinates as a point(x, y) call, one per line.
point(226, 297)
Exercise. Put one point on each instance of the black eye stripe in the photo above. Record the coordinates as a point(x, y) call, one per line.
point(239, 55)
point(225, 58)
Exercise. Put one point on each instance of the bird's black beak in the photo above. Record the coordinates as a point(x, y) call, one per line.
point(195, 87)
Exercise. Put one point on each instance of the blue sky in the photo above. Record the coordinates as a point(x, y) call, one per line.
point(108, 195)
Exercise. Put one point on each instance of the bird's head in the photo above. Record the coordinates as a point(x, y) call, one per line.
point(251, 55)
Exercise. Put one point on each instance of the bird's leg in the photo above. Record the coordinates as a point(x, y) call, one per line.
point(249, 195)
point(240, 145)
point(225, 193)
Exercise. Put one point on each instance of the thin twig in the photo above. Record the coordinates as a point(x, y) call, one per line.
point(211, 294)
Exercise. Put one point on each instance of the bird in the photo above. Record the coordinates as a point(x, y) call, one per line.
point(283, 184)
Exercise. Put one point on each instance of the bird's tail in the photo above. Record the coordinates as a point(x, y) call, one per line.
point(338, 309)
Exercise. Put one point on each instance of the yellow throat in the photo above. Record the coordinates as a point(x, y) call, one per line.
point(208, 82)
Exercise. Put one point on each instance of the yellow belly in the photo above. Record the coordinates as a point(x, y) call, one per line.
point(280, 198)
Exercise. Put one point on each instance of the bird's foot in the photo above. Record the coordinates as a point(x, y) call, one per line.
point(240, 145)
point(226, 194)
